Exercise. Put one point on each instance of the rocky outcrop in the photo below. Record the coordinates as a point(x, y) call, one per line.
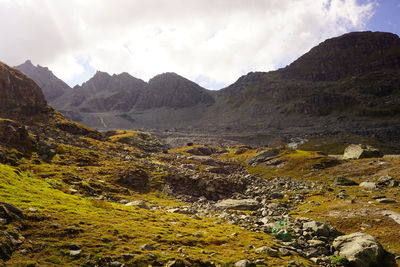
point(361, 151)
point(19, 95)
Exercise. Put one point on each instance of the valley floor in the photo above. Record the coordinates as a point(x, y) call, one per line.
point(128, 200)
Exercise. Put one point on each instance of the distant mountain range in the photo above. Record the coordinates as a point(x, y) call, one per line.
point(348, 84)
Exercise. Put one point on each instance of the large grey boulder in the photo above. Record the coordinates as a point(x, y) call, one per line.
point(362, 250)
point(264, 156)
point(238, 204)
point(361, 151)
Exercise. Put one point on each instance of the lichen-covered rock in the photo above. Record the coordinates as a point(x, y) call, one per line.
point(362, 250)
point(361, 151)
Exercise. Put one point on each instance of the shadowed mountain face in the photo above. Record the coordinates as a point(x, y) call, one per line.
point(103, 93)
point(51, 86)
point(346, 84)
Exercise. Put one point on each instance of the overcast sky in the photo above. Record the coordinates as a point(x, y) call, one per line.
point(211, 42)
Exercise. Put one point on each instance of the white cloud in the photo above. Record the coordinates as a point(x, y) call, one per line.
point(200, 39)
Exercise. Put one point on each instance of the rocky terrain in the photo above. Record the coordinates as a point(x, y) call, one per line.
point(73, 196)
point(348, 85)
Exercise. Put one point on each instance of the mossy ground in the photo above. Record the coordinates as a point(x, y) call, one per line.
point(68, 212)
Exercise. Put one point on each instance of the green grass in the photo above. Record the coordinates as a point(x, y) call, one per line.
point(106, 229)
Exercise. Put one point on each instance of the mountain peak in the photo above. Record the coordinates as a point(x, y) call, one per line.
point(51, 86)
point(349, 54)
point(28, 62)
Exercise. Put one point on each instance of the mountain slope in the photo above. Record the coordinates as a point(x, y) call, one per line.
point(51, 86)
point(347, 84)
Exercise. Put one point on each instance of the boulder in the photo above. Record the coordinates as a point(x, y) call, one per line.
point(369, 185)
point(264, 156)
point(202, 151)
point(387, 181)
point(238, 204)
point(386, 200)
point(361, 250)
point(317, 228)
point(138, 203)
point(361, 151)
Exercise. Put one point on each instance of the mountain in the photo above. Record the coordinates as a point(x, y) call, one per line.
point(51, 86)
point(103, 93)
point(346, 84)
point(174, 91)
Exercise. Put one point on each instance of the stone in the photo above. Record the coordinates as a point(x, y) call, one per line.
point(201, 151)
point(75, 253)
point(138, 203)
point(32, 210)
point(369, 185)
point(277, 195)
point(116, 264)
point(392, 214)
point(317, 228)
point(361, 250)
point(264, 156)
point(386, 200)
point(387, 181)
point(361, 151)
point(147, 247)
point(242, 263)
point(267, 251)
point(341, 180)
point(238, 204)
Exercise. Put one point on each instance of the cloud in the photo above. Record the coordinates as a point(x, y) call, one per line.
point(210, 41)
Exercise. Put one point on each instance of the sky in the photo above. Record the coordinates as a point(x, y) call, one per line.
point(212, 42)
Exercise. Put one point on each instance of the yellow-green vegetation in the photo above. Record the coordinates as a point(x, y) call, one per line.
point(105, 229)
point(121, 134)
point(336, 145)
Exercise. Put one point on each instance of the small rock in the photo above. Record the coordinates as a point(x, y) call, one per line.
point(147, 247)
point(318, 228)
point(238, 204)
point(386, 200)
point(387, 181)
point(341, 180)
point(116, 264)
point(138, 203)
point(267, 251)
point(243, 263)
point(369, 185)
point(32, 210)
point(75, 252)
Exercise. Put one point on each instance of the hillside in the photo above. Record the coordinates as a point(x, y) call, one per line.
point(72, 196)
point(345, 85)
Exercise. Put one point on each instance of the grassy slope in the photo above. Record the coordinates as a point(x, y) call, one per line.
point(105, 229)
